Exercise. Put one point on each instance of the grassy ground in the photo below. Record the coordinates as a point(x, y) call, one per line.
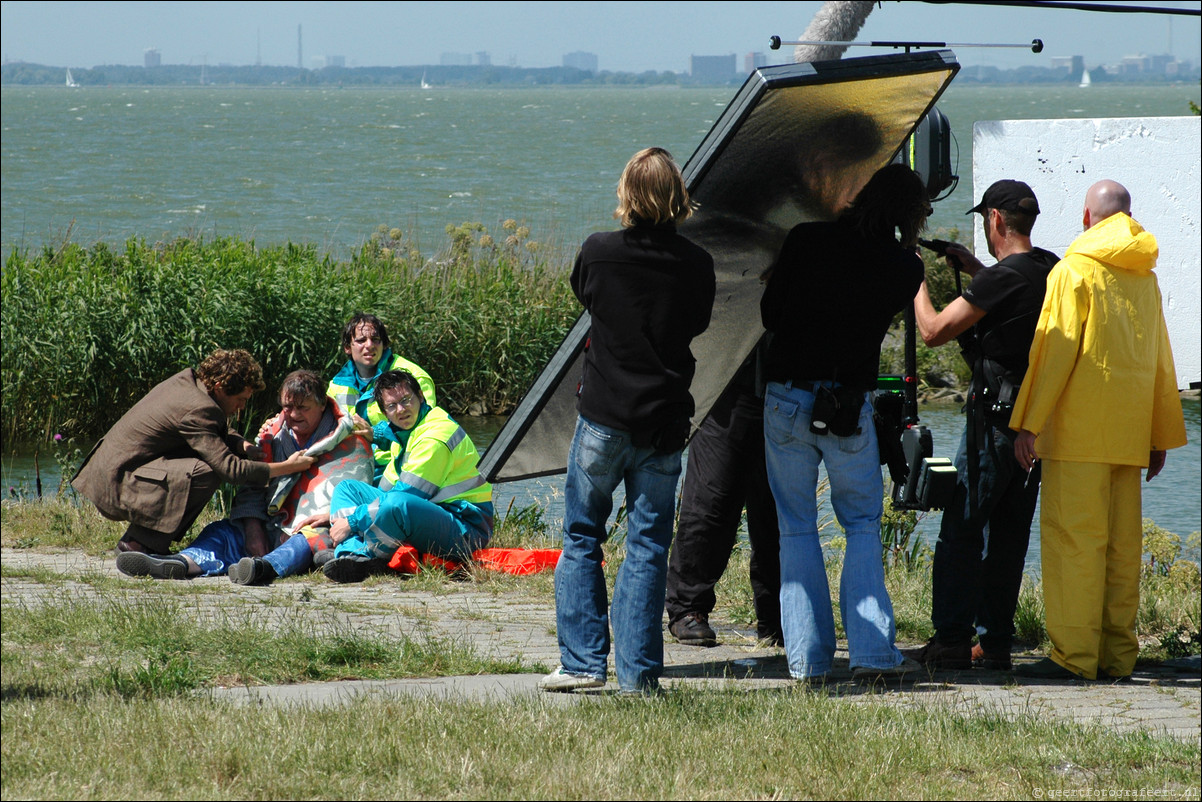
point(100, 675)
point(712, 745)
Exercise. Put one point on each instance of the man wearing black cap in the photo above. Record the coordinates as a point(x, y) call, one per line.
point(976, 584)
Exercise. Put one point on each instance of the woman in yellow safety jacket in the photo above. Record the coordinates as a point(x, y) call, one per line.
point(431, 496)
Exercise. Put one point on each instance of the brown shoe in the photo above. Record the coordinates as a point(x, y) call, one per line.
point(128, 544)
point(694, 630)
point(949, 656)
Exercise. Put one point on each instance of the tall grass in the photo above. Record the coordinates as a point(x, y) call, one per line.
point(87, 331)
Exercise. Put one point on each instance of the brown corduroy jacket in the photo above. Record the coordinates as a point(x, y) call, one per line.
point(141, 470)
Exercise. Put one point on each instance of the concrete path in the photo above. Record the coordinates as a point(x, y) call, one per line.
point(1162, 699)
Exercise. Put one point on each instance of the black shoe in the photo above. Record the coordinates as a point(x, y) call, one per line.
point(772, 638)
point(1046, 668)
point(135, 563)
point(991, 659)
point(1106, 676)
point(353, 569)
point(252, 571)
point(321, 557)
point(949, 656)
point(694, 630)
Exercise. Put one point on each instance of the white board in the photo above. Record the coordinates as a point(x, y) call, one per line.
point(1158, 159)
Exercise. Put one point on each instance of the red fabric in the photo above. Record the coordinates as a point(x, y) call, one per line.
point(317, 541)
point(519, 562)
point(404, 560)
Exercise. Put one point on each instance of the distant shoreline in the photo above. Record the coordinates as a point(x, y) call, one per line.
point(436, 77)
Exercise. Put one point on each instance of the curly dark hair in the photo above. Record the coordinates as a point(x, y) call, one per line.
point(233, 371)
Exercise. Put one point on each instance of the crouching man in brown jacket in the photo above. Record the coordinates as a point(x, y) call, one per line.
point(161, 463)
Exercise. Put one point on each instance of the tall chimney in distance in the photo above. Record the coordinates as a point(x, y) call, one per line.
point(300, 61)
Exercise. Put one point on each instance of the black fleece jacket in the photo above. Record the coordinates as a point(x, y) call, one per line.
point(649, 291)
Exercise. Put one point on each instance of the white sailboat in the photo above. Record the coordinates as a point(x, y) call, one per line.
point(424, 84)
point(1085, 81)
point(71, 81)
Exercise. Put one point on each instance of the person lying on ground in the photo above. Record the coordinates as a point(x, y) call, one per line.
point(365, 342)
point(260, 518)
point(431, 496)
point(160, 464)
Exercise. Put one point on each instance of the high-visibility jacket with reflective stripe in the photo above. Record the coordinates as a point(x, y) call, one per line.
point(343, 390)
point(438, 463)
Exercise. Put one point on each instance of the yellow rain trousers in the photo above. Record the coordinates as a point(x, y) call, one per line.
point(1100, 394)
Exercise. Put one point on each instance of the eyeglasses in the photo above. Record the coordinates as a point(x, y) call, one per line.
point(396, 406)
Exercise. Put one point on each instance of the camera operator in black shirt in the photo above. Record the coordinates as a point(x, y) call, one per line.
point(976, 585)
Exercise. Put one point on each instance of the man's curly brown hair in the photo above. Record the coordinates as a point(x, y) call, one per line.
point(233, 371)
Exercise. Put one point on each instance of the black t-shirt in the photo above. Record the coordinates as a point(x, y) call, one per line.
point(830, 301)
point(1011, 293)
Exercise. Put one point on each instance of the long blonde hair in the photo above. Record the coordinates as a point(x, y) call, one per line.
point(651, 190)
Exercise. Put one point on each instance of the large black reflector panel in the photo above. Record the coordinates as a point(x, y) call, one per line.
point(797, 143)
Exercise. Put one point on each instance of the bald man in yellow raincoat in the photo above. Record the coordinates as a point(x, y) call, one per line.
point(1099, 402)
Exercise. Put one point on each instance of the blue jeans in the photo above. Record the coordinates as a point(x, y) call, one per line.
point(384, 520)
point(979, 558)
point(599, 459)
point(220, 544)
point(853, 467)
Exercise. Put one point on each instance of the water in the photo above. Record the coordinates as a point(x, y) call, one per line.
point(327, 166)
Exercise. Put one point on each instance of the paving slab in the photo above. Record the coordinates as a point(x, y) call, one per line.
point(507, 626)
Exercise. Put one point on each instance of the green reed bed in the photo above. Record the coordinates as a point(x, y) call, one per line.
point(86, 331)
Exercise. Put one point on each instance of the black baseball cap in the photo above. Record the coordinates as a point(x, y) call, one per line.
point(1008, 195)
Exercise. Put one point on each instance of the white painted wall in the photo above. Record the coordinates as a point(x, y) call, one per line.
point(1159, 159)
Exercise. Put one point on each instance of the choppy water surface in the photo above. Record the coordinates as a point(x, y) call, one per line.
point(326, 166)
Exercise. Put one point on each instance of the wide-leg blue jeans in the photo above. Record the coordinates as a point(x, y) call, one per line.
point(600, 458)
point(793, 454)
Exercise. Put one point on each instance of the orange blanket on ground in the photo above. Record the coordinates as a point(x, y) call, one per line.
point(519, 562)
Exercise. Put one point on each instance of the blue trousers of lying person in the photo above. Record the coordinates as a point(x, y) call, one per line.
point(221, 544)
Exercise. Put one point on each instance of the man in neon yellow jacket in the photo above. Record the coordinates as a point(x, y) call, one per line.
point(1099, 402)
point(431, 497)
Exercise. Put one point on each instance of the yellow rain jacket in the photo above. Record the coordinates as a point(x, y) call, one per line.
point(1102, 386)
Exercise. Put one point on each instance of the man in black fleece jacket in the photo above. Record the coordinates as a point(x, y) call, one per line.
point(649, 292)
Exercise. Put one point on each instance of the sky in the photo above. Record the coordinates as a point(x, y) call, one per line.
point(625, 36)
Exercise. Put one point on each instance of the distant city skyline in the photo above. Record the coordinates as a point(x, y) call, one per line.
point(624, 36)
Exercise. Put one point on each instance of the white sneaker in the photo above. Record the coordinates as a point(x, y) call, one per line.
point(561, 680)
